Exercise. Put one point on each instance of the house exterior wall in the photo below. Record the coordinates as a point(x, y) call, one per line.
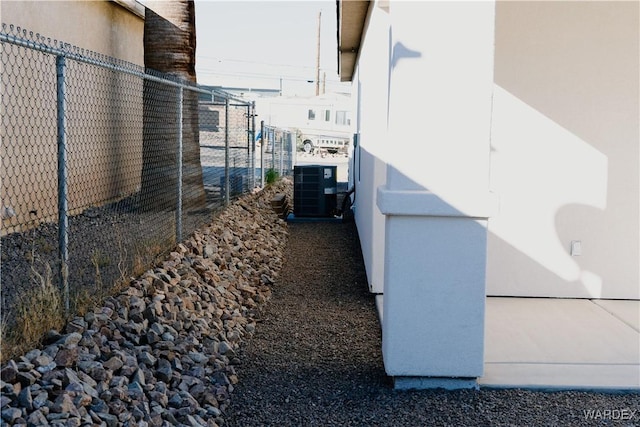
point(104, 110)
point(371, 91)
point(566, 150)
point(423, 199)
point(564, 154)
point(535, 103)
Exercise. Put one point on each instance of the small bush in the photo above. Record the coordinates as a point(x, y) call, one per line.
point(271, 176)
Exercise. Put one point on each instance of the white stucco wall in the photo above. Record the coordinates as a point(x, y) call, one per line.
point(423, 86)
point(436, 197)
point(370, 90)
point(533, 102)
point(566, 150)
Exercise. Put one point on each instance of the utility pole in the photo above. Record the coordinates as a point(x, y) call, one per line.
point(318, 57)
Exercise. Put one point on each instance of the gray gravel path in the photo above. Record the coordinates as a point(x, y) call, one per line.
point(315, 359)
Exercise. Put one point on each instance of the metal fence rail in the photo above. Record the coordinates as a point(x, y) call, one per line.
point(105, 166)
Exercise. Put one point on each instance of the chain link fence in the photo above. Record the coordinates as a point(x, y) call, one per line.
point(277, 151)
point(105, 167)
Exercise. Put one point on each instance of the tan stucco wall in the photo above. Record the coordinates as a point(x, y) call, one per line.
point(566, 150)
point(104, 110)
point(101, 26)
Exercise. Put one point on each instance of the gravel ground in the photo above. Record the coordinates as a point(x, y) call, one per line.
point(315, 359)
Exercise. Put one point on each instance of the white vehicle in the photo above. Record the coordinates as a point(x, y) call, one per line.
point(330, 144)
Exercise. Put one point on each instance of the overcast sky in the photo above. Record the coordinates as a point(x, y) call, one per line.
point(256, 43)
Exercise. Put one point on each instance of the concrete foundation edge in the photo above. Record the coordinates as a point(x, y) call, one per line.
point(423, 383)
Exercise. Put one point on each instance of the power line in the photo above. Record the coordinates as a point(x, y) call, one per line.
point(331, 83)
point(273, 76)
point(245, 61)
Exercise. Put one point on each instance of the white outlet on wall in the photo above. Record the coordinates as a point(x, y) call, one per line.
point(576, 248)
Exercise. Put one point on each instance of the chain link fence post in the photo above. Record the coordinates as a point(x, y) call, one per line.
point(253, 145)
point(179, 167)
point(63, 214)
point(272, 142)
point(281, 167)
point(227, 181)
point(262, 139)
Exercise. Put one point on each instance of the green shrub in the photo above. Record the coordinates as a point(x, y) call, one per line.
point(271, 176)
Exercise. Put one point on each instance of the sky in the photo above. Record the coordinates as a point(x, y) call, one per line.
point(259, 44)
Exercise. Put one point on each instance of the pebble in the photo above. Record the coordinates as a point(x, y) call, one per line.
point(160, 352)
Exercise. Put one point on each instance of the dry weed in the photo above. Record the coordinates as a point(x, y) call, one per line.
point(40, 310)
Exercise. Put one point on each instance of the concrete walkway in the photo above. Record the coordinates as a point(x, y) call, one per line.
point(562, 344)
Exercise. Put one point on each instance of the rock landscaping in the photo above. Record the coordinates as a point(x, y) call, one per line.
point(162, 352)
point(174, 347)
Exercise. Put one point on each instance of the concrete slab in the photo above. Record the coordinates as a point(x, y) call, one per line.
point(298, 219)
point(626, 310)
point(557, 344)
point(560, 344)
point(551, 377)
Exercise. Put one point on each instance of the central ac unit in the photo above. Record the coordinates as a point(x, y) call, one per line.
point(314, 191)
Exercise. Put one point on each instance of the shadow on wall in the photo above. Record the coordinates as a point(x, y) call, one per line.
point(543, 210)
point(555, 188)
point(535, 252)
point(565, 150)
point(602, 276)
point(370, 170)
point(508, 267)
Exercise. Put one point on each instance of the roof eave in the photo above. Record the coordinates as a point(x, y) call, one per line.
point(352, 15)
